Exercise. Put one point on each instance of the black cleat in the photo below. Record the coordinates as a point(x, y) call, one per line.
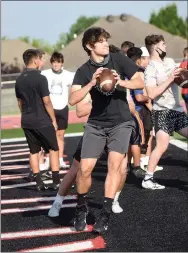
point(80, 217)
point(101, 224)
point(54, 186)
point(41, 187)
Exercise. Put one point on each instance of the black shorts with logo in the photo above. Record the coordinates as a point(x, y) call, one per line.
point(62, 118)
point(41, 138)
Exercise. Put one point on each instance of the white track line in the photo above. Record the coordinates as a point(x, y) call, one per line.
point(14, 150)
point(15, 167)
point(14, 145)
point(14, 154)
point(179, 144)
point(80, 246)
point(35, 208)
point(24, 139)
point(18, 160)
point(42, 232)
point(23, 185)
point(19, 176)
point(33, 200)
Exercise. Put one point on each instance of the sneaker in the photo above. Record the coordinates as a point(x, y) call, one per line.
point(116, 208)
point(41, 187)
point(55, 209)
point(101, 224)
point(30, 177)
point(46, 175)
point(54, 186)
point(63, 164)
point(80, 217)
point(151, 184)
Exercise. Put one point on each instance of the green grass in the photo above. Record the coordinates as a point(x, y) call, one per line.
point(179, 137)
point(18, 132)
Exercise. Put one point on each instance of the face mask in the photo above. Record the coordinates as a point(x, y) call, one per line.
point(162, 54)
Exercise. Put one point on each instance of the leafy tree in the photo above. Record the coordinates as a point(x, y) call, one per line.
point(168, 20)
point(26, 39)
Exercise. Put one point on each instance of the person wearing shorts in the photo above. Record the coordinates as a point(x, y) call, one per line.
point(59, 82)
point(109, 123)
point(37, 116)
point(167, 113)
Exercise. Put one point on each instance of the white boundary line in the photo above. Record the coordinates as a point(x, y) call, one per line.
point(24, 139)
point(179, 144)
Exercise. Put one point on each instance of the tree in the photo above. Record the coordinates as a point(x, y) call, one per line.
point(168, 20)
point(26, 39)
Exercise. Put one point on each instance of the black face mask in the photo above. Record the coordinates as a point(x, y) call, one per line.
point(162, 54)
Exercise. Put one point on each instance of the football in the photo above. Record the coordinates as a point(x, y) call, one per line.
point(182, 79)
point(106, 80)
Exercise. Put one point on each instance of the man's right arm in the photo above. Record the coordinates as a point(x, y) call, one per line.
point(152, 88)
point(84, 107)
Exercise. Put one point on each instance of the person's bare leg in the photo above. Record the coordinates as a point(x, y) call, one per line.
point(64, 188)
point(135, 150)
point(60, 140)
point(162, 142)
point(54, 164)
point(34, 162)
point(123, 172)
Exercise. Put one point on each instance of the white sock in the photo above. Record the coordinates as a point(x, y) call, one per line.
point(47, 160)
point(61, 159)
point(59, 198)
point(117, 196)
point(148, 175)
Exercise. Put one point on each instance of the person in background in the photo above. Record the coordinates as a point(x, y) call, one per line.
point(125, 46)
point(184, 65)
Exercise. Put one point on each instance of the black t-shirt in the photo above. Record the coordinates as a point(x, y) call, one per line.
point(112, 109)
point(31, 87)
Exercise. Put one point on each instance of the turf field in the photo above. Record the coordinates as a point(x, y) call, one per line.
point(151, 221)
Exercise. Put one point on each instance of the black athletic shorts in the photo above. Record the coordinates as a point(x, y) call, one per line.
point(41, 138)
point(135, 135)
point(62, 118)
point(145, 116)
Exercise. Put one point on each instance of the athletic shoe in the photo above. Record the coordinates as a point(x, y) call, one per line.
point(151, 184)
point(101, 224)
point(46, 175)
point(30, 177)
point(41, 187)
point(80, 217)
point(116, 208)
point(54, 186)
point(63, 164)
point(55, 209)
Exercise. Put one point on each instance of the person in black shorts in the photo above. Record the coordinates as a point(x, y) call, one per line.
point(37, 116)
point(59, 83)
point(109, 123)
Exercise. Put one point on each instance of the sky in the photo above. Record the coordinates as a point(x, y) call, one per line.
point(47, 19)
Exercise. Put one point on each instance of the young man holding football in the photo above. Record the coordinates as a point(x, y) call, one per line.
point(110, 121)
point(167, 113)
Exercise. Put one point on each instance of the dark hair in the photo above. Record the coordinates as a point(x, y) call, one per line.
point(29, 55)
point(114, 49)
point(134, 53)
point(40, 52)
point(127, 44)
point(57, 57)
point(93, 35)
point(185, 51)
point(152, 40)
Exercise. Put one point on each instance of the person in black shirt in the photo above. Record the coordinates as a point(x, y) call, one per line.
point(37, 116)
point(109, 123)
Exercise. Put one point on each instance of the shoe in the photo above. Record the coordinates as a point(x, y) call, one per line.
point(55, 209)
point(63, 164)
point(138, 172)
point(101, 224)
point(80, 217)
point(158, 168)
point(54, 186)
point(46, 175)
point(151, 184)
point(41, 187)
point(30, 177)
point(116, 208)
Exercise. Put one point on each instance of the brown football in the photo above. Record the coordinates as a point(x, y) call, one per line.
point(106, 80)
point(182, 79)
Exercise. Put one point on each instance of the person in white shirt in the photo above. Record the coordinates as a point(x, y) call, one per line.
point(167, 113)
point(59, 83)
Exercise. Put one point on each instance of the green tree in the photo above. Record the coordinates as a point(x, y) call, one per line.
point(168, 20)
point(42, 44)
point(26, 39)
point(4, 38)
